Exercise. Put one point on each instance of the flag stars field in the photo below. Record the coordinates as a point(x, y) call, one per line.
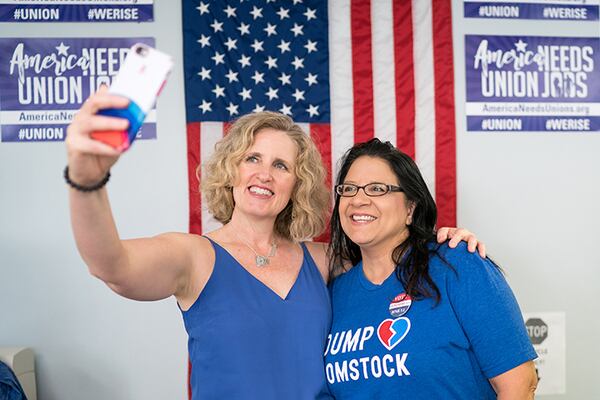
point(260, 55)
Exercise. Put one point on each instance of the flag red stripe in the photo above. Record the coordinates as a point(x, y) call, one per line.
point(362, 69)
point(321, 135)
point(195, 217)
point(226, 126)
point(195, 199)
point(189, 381)
point(445, 135)
point(404, 77)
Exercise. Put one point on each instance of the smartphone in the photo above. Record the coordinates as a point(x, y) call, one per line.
point(141, 78)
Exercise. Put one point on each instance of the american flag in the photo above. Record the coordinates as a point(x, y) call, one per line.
point(346, 70)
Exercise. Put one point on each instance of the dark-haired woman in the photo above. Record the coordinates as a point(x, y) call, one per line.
point(413, 318)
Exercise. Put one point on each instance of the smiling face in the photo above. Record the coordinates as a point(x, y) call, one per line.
point(265, 179)
point(374, 223)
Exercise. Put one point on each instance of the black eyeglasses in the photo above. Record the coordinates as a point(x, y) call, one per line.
point(370, 189)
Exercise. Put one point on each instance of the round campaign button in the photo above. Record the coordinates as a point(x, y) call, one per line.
point(400, 305)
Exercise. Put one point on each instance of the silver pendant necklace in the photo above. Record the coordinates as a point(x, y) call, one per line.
point(260, 260)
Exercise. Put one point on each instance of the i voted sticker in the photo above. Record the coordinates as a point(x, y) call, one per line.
point(400, 305)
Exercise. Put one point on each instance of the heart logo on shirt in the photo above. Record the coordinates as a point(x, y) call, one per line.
point(392, 331)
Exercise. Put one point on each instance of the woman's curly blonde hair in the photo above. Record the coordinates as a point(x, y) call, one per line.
point(305, 216)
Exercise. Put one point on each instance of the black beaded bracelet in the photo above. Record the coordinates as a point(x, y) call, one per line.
point(82, 188)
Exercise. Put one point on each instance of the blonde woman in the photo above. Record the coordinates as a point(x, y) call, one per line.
point(252, 293)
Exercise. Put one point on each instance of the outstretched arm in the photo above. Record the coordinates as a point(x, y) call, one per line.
point(142, 269)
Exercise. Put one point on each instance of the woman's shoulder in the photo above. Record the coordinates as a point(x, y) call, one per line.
point(458, 259)
point(182, 240)
point(462, 270)
point(318, 252)
point(192, 240)
point(197, 250)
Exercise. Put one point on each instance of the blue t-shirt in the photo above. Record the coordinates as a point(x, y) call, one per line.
point(246, 342)
point(444, 351)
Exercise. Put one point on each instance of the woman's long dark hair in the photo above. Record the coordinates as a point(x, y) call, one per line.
point(411, 257)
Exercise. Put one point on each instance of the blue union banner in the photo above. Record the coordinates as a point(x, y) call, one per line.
point(532, 83)
point(76, 10)
point(44, 81)
point(572, 10)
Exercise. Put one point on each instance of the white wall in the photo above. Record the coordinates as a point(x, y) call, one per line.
point(531, 197)
point(90, 343)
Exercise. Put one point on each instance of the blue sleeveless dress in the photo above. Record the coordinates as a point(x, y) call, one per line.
point(246, 342)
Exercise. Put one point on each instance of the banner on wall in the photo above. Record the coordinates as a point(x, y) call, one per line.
point(566, 10)
point(532, 83)
point(547, 334)
point(43, 82)
point(76, 10)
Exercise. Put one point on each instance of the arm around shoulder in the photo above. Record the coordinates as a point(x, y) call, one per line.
point(518, 383)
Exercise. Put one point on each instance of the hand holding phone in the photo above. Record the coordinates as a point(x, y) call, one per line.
point(140, 79)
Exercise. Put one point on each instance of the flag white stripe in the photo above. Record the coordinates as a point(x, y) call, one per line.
point(210, 134)
point(424, 91)
point(384, 96)
point(305, 126)
point(340, 78)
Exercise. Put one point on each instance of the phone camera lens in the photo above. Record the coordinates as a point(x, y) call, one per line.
point(141, 50)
